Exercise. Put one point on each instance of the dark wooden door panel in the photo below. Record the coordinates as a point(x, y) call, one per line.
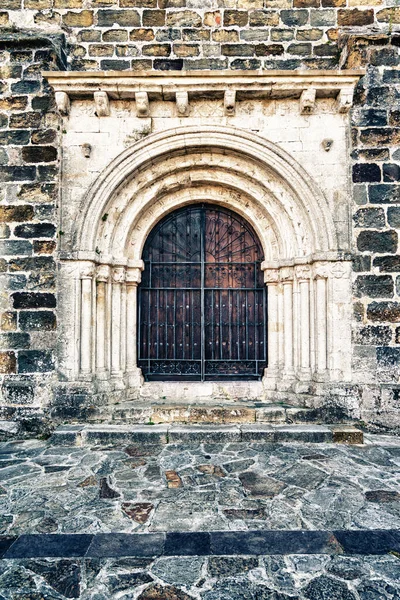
point(202, 300)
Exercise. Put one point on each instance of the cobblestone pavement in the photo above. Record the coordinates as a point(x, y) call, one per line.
point(54, 489)
point(205, 487)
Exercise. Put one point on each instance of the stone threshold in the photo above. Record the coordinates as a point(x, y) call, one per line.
point(207, 543)
point(218, 413)
point(97, 435)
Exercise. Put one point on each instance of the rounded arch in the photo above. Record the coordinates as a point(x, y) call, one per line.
point(229, 166)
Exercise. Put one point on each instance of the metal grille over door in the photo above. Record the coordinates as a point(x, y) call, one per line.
point(202, 300)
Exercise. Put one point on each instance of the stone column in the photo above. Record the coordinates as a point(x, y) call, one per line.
point(321, 272)
point(303, 278)
point(86, 318)
point(133, 278)
point(271, 278)
point(118, 277)
point(102, 280)
point(287, 282)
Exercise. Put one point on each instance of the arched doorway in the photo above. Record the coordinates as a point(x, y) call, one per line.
point(202, 300)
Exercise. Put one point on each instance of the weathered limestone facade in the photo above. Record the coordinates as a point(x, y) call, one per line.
point(113, 115)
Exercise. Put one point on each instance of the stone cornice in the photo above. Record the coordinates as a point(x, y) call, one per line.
point(307, 86)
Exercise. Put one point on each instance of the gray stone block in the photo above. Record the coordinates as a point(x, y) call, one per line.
point(204, 433)
point(259, 432)
point(303, 433)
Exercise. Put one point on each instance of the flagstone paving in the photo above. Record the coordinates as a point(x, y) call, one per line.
point(242, 488)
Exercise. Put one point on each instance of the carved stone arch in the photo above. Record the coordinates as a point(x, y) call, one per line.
point(286, 181)
point(308, 294)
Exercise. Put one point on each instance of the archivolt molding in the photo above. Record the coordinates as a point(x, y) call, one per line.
point(273, 182)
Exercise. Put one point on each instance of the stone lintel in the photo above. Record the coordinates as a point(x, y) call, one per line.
point(147, 86)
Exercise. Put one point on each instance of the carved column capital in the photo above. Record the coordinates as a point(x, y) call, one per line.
point(87, 270)
point(103, 273)
point(118, 274)
point(303, 272)
point(321, 270)
point(286, 274)
point(271, 276)
point(133, 275)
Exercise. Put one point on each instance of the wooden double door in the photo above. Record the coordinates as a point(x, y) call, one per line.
point(202, 311)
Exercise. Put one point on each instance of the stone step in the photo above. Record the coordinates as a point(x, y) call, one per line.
point(249, 412)
point(100, 435)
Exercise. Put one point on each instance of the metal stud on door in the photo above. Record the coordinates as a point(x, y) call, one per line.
point(202, 300)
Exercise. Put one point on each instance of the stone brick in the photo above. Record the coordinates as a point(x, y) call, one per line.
point(35, 230)
point(381, 96)
point(237, 50)
point(184, 18)
point(138, 3)
point(387, 264)
point(333, 3)
point(168, 35)
point(386, 57)
point(306, 3)
point(282, 35)
point(384, 193)
point(245, 64)
point(44, 320)
point(194, 35)
point(361, 263)
point(294, 18)
point(14, 138)
point(326, 50)
point(369, 217)
point(355, 17)
point(368, 172)
point(35, 361)
point(8, 321)
point(141, 35)
point(18, 213)
point(186, 49)
point(384, 311)
point(394, 118)
point(42, 103)
point(15, 247)
point(393, 215)
point(83, 18)
point(10, 71)
point(374, 286)
point(225, 35)
point(253, 35)
point(377, 241)
point(68, 3)
point(263, 18)
point(235, 17)
point(4, 19)
point(33, 300)
point(44, 247)
point(44, 136)
point(269, 49)
point(14, 341)
point(124, 18)
point(14, 103)
point(39, 154)
point(322, 18)
point(89, 35)
point(101, 50)
point(42, 264)
point(3, 120)
point(299, 49)
point(213, 19)
point(202, 64)
point(391, 172)
point(371, 154)
point(380, 136)
point(312, 34)
point(373, 335)
point(157, 49)
point(25, 120)
point(389, 15)
point(13, 174)
point(153, 18)
point(175, 64)
point(8, 362)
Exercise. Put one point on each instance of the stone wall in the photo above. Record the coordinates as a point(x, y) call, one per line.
point(42, 35)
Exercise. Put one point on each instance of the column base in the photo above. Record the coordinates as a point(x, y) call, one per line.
point(135, 378)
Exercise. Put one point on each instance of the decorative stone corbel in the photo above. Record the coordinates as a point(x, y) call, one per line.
point(307, 101)
point(102, 104)
point(142, 104)
point(345, 99)
point(118, 274)
point(63, 103)
point(103, 273)
point(303, 272)
point(230, 102)
point(182, 103)
point(271, 276)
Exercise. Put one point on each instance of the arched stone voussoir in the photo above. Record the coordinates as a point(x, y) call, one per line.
point(295, 192)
